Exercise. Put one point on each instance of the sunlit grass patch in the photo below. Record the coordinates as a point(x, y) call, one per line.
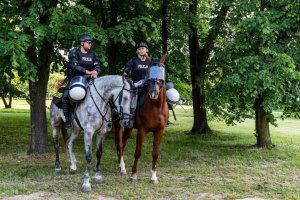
point(225, 165)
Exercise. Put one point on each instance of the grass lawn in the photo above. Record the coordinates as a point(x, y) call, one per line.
point(224, 165)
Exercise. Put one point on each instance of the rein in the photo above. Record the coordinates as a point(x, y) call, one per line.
point(104, 100)
point(111, 103)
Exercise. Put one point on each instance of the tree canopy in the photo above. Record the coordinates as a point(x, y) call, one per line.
point(236, 59)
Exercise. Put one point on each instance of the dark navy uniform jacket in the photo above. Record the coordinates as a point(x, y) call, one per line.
point(137, 69)
point(79, 62)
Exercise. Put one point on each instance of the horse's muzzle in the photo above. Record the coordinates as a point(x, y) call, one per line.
point(154, 95)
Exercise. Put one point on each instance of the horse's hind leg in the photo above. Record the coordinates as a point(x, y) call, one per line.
point(73, 160)
point(65, 137)
point(99, 151)
point(55, 134)
point(138, 151)
point(157, 136)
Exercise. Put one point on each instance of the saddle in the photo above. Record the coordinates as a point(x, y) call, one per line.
point(57, 101)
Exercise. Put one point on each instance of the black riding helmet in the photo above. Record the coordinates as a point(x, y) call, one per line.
point(84, 38)
point(142, 44)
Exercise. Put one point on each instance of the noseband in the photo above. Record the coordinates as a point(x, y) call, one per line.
point(156, 82)
point(112, 103)
point(120, 113)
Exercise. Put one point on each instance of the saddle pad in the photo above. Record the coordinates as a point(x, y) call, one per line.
point(57, 101)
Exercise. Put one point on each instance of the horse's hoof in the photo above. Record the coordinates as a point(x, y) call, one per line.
point(86, 188)
point(123, 173)
point(57, 170)
point(72, 171)
point(154, 181)
point(98, 179)
point(133, 179)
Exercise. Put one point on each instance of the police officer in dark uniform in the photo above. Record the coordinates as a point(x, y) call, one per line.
point(137, 67)
point(82, 61)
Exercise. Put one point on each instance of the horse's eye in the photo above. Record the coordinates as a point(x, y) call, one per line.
point(125, 99)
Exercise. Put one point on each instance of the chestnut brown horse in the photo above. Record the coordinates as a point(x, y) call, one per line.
point(152, 116)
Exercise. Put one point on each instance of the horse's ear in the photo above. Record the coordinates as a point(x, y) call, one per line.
point(148, 59)
point(163, 59)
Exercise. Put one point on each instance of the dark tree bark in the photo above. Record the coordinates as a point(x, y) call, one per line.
point(112, 47)
point(38, 88)
point(6, 105)
point(164, 26)
point(262, 125)
point(112, 57)
point(9, 101)
point(198, 60)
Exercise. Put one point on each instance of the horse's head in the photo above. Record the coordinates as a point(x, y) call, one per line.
point(126, 102)
point(156, 77)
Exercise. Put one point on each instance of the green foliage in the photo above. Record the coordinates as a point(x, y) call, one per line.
point(55, 80)
point(258, 61)
point(9, 80)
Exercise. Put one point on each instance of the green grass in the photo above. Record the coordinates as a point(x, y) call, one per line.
point(225, 165)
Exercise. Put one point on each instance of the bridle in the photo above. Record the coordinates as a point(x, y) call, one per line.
point(112, 102)
point(159, 82)
point(119, 97)
point(155, 80)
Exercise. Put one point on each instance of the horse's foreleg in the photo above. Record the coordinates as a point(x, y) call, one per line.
point(99, 151)
point(55, 133)
point(138, 151)
point(73, 166)
point(122, 141)
point(126, 136)
point(118, 131)
point(157, 136)
point(86, 186)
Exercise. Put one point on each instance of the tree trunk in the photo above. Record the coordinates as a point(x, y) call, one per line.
point(197, 69)
point(4, 101)
point(10, 100)
point(112, 47)
point(6, 105)
point(262, 125)
point(37, 91)
point(112, 56)
point(164, 26)
point(39, 136)
point(199, 58)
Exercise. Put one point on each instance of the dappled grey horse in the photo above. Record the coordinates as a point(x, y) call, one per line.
point(107, 94)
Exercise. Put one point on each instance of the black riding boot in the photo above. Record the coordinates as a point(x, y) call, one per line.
point(66, 111)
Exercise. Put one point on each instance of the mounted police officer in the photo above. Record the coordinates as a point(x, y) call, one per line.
point(137, 67)
point(82, 61)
